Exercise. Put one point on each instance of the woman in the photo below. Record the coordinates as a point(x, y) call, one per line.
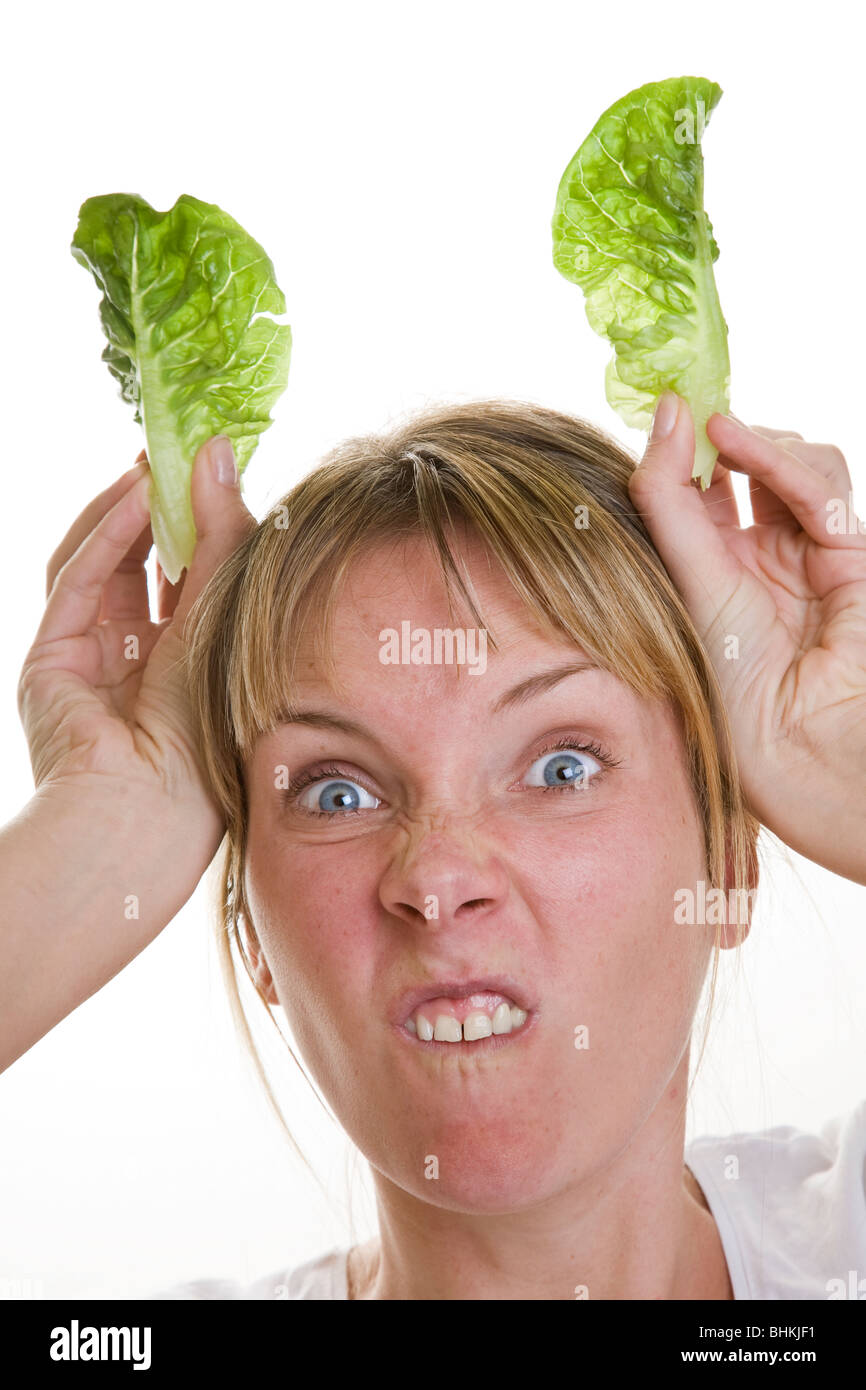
point(494, 855)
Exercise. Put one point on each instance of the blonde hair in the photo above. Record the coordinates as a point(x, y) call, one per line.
point(517, 473)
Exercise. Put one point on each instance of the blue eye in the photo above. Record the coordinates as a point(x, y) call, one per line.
point(564, 767)
point(327, 792)
point(327, 797)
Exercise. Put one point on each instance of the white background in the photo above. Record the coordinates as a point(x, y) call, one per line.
point(399, 163)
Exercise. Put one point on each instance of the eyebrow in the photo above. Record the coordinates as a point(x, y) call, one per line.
point(545, 680)
point(517, 695)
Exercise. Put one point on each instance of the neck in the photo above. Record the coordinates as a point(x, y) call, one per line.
point(637, 1227)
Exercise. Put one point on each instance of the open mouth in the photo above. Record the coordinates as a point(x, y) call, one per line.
point(446, 1021)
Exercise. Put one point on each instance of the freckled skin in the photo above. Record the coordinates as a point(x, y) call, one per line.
point(570, 891)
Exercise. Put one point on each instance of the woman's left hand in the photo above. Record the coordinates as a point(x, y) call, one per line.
point(781, 608)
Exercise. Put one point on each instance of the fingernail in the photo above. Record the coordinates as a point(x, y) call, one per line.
point(666, 415)
point(222, 460)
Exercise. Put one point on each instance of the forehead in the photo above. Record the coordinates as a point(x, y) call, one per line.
point(398, 584)
point(399, 581)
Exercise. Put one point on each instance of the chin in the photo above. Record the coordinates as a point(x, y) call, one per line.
point(476, 1170)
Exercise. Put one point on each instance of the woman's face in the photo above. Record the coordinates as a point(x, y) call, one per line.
point(556, 888)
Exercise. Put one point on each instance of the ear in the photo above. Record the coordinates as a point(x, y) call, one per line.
point(261, 970)
point(740, 903)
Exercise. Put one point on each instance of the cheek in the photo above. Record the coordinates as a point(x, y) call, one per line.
point(311, 906)
point(604, 886)
point(628, 978)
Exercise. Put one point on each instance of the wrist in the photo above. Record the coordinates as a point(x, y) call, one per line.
point(89, 879)
point(103, 841)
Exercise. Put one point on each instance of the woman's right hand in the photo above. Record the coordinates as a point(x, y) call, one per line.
point(101, 695)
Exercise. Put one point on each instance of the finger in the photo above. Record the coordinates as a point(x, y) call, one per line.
point(765, 429)
point(803, 490)
point(826, 459)
point(682, 528)
point(770, 434)
point(167, 594)
point(222, 520)
point(125, 595)
point(759, 429)
point(76, 595)
point(88, 518)
point(766, 508)
point(719, 499)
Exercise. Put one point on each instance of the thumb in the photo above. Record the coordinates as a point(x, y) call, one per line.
point(672, 437)
point(693, 550)
point(222, 520)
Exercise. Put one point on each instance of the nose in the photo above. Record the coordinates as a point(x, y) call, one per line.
point(443, 878)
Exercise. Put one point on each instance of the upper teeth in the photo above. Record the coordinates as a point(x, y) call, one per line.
point(478, 1024)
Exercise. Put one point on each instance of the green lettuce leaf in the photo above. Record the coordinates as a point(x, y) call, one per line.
point(630, 229)
point(187, 308)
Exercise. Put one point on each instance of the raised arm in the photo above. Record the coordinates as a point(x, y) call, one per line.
point(121, 827)
point(781, 608)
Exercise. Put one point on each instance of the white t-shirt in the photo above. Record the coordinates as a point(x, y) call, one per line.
point(790, 1208)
